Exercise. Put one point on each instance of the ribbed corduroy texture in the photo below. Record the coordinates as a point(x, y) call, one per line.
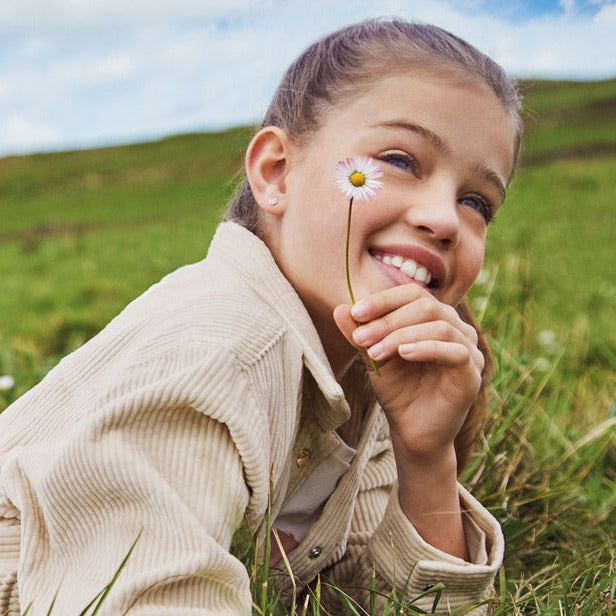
point(168, 423)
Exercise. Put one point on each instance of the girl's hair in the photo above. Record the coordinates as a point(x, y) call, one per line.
point(342, 65)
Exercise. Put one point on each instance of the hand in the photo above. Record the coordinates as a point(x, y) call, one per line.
point(430, 375)
point(429, 361)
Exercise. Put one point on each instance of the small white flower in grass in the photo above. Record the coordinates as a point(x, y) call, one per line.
point(542, 364)
point(6, 382)
point(356, 178)
point(546, 337)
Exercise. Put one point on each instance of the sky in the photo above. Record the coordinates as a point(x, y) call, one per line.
point(89, 73)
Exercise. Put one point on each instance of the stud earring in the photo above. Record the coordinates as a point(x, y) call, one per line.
point(273, 201)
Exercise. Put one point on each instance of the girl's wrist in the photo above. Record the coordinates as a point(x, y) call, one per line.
point(424, 455)
point(427, 467)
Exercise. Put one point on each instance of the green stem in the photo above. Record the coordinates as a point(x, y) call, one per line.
point(348, 237)
point(348, 276)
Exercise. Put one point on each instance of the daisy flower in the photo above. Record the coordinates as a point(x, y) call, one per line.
point(357, 178)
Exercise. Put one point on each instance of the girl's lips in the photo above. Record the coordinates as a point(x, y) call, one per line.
point(416, 261)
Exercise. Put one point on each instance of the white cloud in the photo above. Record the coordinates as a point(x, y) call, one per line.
point(21, 133)
point(96, 13)
point(606, 15)
point(83, 73)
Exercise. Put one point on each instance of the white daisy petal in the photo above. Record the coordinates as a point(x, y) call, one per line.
point(357, 177)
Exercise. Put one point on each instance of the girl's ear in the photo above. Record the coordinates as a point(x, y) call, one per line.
point(267, 163)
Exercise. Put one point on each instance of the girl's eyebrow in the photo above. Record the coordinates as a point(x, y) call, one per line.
point(424, 132)
point(485, 172)
point(492, 177)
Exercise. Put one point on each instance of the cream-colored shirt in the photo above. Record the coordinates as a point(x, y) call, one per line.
point(170, 423)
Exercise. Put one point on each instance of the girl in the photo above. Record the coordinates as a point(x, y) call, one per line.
point(250, 375)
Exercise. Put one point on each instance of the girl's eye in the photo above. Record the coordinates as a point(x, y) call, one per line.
point(479, 204)
point(403, 161)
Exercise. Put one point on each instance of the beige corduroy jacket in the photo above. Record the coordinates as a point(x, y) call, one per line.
point(169, 422)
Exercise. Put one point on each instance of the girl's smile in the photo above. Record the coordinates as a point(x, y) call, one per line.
point(406, 264)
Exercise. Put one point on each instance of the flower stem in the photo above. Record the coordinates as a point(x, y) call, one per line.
point(348, 276)
point(348, 237)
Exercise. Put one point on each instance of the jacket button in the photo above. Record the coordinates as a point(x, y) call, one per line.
point(315, 552)
point(303, 457)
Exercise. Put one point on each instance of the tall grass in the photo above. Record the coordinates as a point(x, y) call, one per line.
point(548, 476)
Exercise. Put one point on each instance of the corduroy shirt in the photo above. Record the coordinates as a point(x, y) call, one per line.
point(170, 424)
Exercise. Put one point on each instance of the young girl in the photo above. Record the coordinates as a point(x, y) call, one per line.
point(250, 375)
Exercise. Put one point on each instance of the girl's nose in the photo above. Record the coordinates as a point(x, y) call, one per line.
point(436, 215)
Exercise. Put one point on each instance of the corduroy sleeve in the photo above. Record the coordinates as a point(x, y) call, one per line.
point(163, 457)
point(404, 560)
point(386, 553)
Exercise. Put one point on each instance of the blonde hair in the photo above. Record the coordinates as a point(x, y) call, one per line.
point(341, 65)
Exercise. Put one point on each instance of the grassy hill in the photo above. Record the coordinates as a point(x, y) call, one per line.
point(82, 233)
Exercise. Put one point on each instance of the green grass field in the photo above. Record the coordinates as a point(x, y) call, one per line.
point(82, 233)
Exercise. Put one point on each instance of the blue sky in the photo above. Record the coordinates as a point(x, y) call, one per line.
point(82, 73)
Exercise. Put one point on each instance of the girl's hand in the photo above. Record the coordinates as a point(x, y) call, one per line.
point(430, 375)
point(429, 361)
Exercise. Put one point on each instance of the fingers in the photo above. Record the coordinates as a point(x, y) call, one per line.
point(409, 322)
point(406, 305)
point(382, 303)
point(446, 322)
point(436, 341)
point(445, 353)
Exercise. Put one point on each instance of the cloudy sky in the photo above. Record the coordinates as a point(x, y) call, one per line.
point(82, 73)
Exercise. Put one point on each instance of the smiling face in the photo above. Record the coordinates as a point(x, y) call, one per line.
point(445, 145)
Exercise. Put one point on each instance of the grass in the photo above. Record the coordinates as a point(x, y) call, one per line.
point(547, 470)
point(85, 232)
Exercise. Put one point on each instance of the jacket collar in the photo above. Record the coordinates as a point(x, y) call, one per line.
point(249, 256)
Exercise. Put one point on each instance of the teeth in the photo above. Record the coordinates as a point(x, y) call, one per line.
point(422, 275)
point(408, 266)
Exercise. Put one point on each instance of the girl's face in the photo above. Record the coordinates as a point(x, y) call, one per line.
point(445, 146)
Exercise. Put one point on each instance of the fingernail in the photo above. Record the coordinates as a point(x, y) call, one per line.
point(360, 335)
point(406, 350)
point(359, 310)
point(377, 351)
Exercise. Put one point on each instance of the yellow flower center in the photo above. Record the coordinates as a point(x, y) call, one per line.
point(357, 178)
